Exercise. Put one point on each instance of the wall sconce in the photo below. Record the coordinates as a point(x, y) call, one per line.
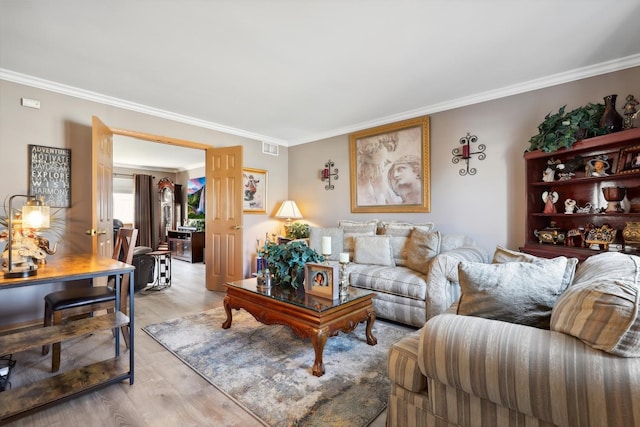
point(326, 174)
point(465, 153)
point(35, 214)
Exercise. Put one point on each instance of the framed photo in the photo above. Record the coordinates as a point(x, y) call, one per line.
point(390, 167)
point(322, 280)
point(629, 160)
point(254, 182)
point(50, 175)
point(196, 197)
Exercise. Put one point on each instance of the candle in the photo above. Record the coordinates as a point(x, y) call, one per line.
point(326, 245)
point(465, 151)
point(325, 173)
point(344, 257)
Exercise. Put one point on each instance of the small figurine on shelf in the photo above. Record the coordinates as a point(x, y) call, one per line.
point(550, 198)
point(598, 166)
point(569, 206)
point(549, 173)
point(630, 112)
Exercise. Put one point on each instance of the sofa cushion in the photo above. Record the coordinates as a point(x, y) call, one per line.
point(607, 265)
point(421, 248)
point(352, 229)
point(337, 240)
point(502, 255)
point(400, 281)
point(402, 363)
point(373, 250)
point(516, 292)
point(603, 313)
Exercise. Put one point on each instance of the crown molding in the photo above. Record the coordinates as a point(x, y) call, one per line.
point(531, 85)
point(75, 92)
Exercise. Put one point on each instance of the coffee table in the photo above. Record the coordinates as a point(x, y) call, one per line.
point(308, 316)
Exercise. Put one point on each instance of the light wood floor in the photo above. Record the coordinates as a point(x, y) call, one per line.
point(166, 392)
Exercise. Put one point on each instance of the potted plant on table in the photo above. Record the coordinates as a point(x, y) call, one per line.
point(286, 262)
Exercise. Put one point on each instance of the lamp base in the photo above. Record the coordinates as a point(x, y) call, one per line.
point(18, 272)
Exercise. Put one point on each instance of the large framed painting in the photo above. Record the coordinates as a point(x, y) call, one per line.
point(254, 183)
point(390, 167)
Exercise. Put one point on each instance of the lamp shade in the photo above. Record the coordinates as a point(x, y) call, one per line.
point(35, 214)
point(289, 210)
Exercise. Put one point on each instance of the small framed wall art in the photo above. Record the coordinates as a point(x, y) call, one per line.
point(50, 175)
point(322, 280)
point(254, 183)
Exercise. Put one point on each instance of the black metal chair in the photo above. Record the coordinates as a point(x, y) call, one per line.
point(82, 301)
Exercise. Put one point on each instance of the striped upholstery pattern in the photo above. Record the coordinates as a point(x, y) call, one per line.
point(410, 297)
point(603, 312)
point(487, 372)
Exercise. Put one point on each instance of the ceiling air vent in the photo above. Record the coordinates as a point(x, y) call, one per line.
point(268, 148)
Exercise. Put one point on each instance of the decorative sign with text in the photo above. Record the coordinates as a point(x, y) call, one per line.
point(50, 175)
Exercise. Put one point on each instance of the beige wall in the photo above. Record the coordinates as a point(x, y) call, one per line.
point(65, 122)
point(489, 206)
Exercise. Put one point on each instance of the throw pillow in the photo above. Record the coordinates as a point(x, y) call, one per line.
point(602, 313)
point(373, 250)
point(516, 292)
point(352, 229)
point(337, 240)
point(421, 248)
point(399, 233)
point(503, 255)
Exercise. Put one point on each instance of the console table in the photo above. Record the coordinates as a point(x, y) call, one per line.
point(59, 387)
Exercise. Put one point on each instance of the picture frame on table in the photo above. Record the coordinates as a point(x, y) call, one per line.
point(254, 184)
point(629, 160)
point(322, 280)
point(390, 167)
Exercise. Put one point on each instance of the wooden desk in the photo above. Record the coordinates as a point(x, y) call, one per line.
point(43, 393)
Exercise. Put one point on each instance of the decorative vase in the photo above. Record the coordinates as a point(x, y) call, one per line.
point(611, 119)
point(631, 233)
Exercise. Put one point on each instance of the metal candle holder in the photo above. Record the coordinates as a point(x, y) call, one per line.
point(327, 174)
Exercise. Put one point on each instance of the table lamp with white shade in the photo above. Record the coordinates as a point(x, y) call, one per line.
point(288, 210)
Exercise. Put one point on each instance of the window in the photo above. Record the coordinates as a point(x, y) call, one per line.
point(123, 207)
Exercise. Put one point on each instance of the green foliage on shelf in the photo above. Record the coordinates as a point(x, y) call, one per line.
point(562, 130)
point(287, 261)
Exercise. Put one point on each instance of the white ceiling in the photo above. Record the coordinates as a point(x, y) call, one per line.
point(294, 71)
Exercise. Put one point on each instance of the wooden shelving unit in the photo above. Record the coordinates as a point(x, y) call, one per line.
point(20, 400)
point(583, 189)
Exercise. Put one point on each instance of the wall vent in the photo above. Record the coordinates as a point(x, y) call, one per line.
point(269, 148)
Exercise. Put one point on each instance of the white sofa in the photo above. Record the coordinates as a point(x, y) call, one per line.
point(414, 274)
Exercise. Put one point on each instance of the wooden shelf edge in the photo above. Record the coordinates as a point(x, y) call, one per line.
point(585, 144)
point(21, 341)
point(62, 386)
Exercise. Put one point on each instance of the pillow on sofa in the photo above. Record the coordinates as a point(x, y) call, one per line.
point(337, 240)
point(352, 229)
point(516, 292)
point(399, 233)
point(602, 313)
point(422, 246)
point(503, 255)
point(373, 250)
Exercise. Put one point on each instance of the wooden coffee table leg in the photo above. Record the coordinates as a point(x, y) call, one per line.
point(319, 340)
point(227, 309)
point(371, 340)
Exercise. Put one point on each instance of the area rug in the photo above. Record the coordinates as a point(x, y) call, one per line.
point(267, 369)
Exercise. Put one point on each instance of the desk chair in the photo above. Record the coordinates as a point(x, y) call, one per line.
point(74, 302)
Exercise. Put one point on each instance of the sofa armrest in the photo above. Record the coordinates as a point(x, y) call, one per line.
point(442, 277)
point(544, 374)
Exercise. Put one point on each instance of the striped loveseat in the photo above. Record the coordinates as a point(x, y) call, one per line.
point(412, 269)
point(461, 370)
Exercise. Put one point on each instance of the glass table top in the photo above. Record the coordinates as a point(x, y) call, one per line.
point(298, 296)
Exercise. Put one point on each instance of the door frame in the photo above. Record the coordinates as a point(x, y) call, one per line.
point(207, 151)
